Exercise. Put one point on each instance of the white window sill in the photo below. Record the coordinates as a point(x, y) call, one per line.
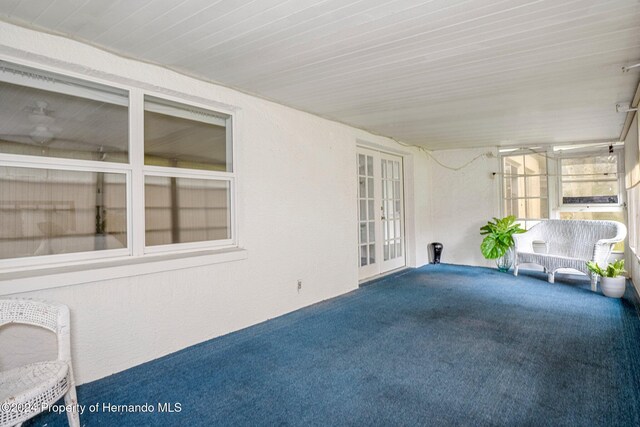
point(94, 271)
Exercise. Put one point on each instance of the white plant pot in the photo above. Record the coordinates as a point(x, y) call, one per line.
point(613, 286)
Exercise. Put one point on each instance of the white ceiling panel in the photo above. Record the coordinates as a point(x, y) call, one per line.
point(437, 73)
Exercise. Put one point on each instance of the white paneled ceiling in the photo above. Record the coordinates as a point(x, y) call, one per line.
point(439, 73)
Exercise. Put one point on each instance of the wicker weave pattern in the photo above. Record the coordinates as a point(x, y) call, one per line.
point(28, 390)
point(32, 312)
point(569, 244)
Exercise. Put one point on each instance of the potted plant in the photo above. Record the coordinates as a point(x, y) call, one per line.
point(612, 283)
point(498, 240)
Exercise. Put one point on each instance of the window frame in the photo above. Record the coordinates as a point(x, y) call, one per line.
point(503, 176)
point(134, 171)
point(174, 172)
point(591, 207)
point(554, 189)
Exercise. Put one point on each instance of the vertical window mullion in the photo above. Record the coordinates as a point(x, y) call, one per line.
point(136, 150)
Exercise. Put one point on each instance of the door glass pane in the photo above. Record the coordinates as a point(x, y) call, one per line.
point(372, 232)
point(90, 124)
point(362, 187)
point(384, 169)
point(370, 188)
point(369, 166)
point(363, 210)
point(363, 255)
point(372, 254)
point(371, 209)
point(361, 165)
point(363, 232)
point(49, 211)
point(182, 136)
point(181, 210)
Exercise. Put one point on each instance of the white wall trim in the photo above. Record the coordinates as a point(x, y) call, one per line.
point(97, 271)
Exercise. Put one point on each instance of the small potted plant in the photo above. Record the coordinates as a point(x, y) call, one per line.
point(612, 283)
point(498, 240)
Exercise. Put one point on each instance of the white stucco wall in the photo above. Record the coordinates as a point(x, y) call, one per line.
point(297, 220)
point(462, 201)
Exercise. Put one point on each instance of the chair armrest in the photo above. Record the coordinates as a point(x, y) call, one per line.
point(603, 247)
point(524, 241)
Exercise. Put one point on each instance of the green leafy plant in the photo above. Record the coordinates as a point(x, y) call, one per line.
point(614, 269)
point(499, 236)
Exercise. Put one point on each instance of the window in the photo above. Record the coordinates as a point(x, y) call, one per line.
point(524, 186)
point(590, 188)
point(67, 177)
point(590, 180)
point(586, 184)
point(187, 156)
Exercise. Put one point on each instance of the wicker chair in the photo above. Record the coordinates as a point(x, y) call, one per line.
point(569, 244)
point(28, 390)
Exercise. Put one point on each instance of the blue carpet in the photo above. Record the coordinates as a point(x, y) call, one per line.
point(439, 345)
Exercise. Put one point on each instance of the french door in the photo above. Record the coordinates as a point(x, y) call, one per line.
point(381, 243)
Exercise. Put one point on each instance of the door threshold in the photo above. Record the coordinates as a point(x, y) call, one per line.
point(385, 275)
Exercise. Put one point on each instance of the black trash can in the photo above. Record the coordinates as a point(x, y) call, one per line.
point(436, 252)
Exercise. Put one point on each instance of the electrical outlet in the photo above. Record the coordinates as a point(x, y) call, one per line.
point(299, 285)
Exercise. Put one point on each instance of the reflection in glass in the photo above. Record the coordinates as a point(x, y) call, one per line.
point(47, 211)
point(38, 122)
point(181, 136)
point(181, 210)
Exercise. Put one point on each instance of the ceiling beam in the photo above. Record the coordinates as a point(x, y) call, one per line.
point(631, 114)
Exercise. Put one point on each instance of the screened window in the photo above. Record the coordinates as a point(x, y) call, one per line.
point(591, 180)
point(525, 185)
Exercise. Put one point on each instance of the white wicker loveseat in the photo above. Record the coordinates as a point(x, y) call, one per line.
point(568, 244)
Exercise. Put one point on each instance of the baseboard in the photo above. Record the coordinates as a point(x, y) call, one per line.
point(389, 274)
